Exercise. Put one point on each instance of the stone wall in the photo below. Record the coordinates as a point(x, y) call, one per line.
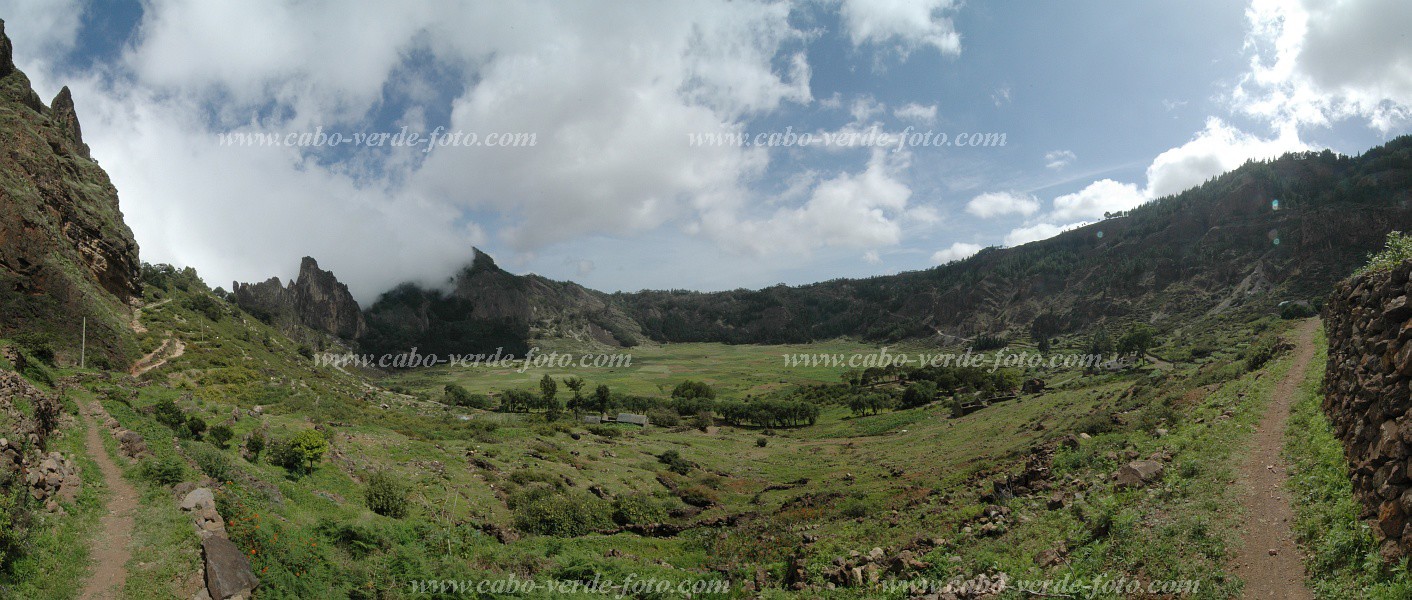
point(1368, 319)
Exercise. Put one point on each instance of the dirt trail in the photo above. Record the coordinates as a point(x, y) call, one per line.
point(1267, 558)
point(137, 315)
point(110, 547)
point(170, 348)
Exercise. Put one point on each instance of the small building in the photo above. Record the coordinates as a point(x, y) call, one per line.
point(592, 419)
point(634, 419)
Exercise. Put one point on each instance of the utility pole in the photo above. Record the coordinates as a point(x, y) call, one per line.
point(83, 346)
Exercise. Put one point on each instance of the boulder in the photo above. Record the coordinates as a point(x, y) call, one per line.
point(1138, 473)
point(228, 573)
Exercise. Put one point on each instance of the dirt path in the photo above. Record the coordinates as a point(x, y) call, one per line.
point(137, 315)
point(1267, 558)
point(110, 547)
point(170, 348)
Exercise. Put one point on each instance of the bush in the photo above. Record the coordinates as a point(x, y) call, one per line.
point(193, 429)
point(1396, 249)
point(169, 414)
point(255, 444)
point(675, 463)
point(762, 441)
point(693, 389)
point(299, 453)
point(703, 420)
point(14, 520)
point(385, 495)
point(665, 417)
point(214, 463)
point(567, 515)
point(638, 509)
point(162, 471)
point(220, 435)
point(698, 495)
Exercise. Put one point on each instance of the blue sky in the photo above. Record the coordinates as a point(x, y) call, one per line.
point(1103, 106)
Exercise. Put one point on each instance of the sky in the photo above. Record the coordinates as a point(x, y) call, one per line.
point(648, 142)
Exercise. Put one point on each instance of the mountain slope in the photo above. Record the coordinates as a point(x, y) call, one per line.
point(1225, 245)
point(65, 253)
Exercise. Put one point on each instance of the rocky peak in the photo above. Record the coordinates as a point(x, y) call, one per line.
point(7, 59)
point(63, 113)
point(315, 299)
point(324, 303)
point(481, 262)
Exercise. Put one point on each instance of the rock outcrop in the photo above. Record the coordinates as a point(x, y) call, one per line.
point(66, 117)
point(65, 252)
point(490, 309)
point(315, 299)
point(1368, 319)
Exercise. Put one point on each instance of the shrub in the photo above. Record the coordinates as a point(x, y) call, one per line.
point(693, 389)
point(703, 420)
point(566, 515)
point(193, 428)
point(214, 463)
point(385, 495)
point(762, 441)
point(255, 444)
point(665, 417)
point(169, 414)
point(14, 520)
point(638, 509)
point(300, 453)
point(698, 495)
point(220, 435)
point(163, 471)
point(1396, 249)
point(675, 463)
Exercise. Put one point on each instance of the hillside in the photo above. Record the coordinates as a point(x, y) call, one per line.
point(1267, 232)
point(65, 252)
point(1222, 246)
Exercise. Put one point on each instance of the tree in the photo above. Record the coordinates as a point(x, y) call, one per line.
point(1137, 340)
point(693, 389)
point(602, 399)
point(308, 447)
point(919, 394)
point(221, 434)
point(575, 384)
point(547, 389)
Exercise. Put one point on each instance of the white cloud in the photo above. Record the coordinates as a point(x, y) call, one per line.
point(1215, 150)
point(1058, 159)
point(41, 31)
point(862, 210)
point(1317, 62)
point(610, 92)
point(994, 204)
point(1104, 195)
point(956, 251)
point(1036, 232)
point(872, 257)
point(905, 24)
point(916, 113)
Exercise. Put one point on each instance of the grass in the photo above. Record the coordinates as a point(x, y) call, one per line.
point(1343, 554)
point(58, 545)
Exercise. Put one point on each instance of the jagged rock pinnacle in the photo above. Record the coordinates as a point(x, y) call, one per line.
point(7, 59)
point(66, 117)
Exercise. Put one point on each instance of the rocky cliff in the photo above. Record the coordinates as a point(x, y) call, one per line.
point(65, 252)
point(488, 308)
point(1368, 380)
point(315, 299)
